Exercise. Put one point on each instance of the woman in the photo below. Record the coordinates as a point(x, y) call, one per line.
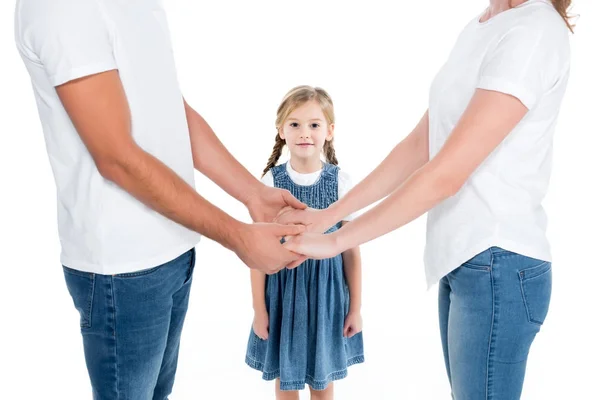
point(479, 161)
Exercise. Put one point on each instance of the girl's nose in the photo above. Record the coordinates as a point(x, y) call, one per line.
point(305, 133)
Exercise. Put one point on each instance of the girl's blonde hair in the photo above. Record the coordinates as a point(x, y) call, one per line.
point(295, 98)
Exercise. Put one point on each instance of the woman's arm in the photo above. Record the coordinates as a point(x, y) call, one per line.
point(488, 119)
point(408, 156)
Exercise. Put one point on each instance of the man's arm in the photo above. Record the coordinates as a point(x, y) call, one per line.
point(212, 159)
point(98, 108)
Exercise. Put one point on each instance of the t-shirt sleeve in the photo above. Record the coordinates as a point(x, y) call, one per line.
point(268, 179)
point(72, 42)
point(344, 185)
point(525, 63)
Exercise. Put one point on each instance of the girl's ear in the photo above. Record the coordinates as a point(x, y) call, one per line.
point(280, 133)
point(329, 137)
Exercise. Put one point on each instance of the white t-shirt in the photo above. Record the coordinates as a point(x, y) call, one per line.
point(102, 228)
point(344, 182)
point(523, 52)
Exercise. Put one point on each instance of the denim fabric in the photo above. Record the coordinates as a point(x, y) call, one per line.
point(131, 325)
point(490, 310)
point(307, 307)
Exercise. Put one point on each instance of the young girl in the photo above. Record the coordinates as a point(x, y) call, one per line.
point(307, 322)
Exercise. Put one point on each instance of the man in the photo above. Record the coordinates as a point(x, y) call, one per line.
point(122, 144)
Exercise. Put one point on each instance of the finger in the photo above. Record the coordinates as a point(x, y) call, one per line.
point(289, 230)
point(351, 333)
point(284, 211)
point(292, 201)
point(288, 217)
point(296, 263)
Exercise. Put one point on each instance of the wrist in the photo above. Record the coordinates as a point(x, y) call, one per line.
point(259, 308)
point(355, 306)
point(249, 195)
point(333, 213)
point(233, 239)
point(338, 242)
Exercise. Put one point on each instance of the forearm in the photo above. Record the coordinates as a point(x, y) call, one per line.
point(213, 160)
point(353, 273)
point(257, 279)
point(157, 186)
point(422, 191)
point(407, 157)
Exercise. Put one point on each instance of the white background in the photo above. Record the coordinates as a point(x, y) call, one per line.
point(236, 60)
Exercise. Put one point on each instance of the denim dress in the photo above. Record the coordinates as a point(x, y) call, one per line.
point(307, 307)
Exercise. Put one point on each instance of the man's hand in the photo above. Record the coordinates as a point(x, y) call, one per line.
point(259, 246)
point(268, 202)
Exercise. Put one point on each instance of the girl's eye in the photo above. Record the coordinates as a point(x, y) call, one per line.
point(314, 125)
point(294, 125)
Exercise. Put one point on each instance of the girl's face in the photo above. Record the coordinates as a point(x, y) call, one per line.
point(305, 132)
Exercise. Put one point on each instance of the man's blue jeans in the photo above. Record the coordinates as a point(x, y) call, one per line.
point(131, 325)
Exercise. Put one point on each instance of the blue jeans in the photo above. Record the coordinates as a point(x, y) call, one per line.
point(131, 325)
point(491, 308)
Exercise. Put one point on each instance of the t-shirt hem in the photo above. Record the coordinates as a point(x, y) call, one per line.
point(124, 268)
point(80, 72)
point(529, 251)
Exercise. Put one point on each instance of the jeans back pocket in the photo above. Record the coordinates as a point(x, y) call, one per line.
point(81, 289)
point(536, 289)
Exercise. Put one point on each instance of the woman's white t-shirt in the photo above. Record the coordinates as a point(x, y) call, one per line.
point(344, 181)
point(523, 52)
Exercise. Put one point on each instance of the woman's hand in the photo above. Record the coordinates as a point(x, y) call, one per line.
point(317, 246)
point(353, 324)
point(317, 221)
point(261, 324)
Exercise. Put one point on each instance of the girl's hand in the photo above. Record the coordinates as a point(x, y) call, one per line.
point(353, 324)
point(261, 324)
point(313, 245)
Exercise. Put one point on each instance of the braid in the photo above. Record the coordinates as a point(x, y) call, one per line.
point(330, 153)
point(276, 154)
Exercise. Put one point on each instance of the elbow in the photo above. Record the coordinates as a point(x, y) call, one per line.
point(447, 185)
point(450, 186)
point(110, 168)
point(113, 166)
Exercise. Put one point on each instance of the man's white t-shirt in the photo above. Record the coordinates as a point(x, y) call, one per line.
point(102, 228)
point(523, 52)
point(344, 182)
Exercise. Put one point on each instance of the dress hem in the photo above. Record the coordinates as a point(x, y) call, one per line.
point(308, 380)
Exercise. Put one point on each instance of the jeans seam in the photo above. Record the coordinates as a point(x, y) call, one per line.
point(191, 266)
point(114, 323)
point(492, 335)
point(88, 316)
point(522, 280)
